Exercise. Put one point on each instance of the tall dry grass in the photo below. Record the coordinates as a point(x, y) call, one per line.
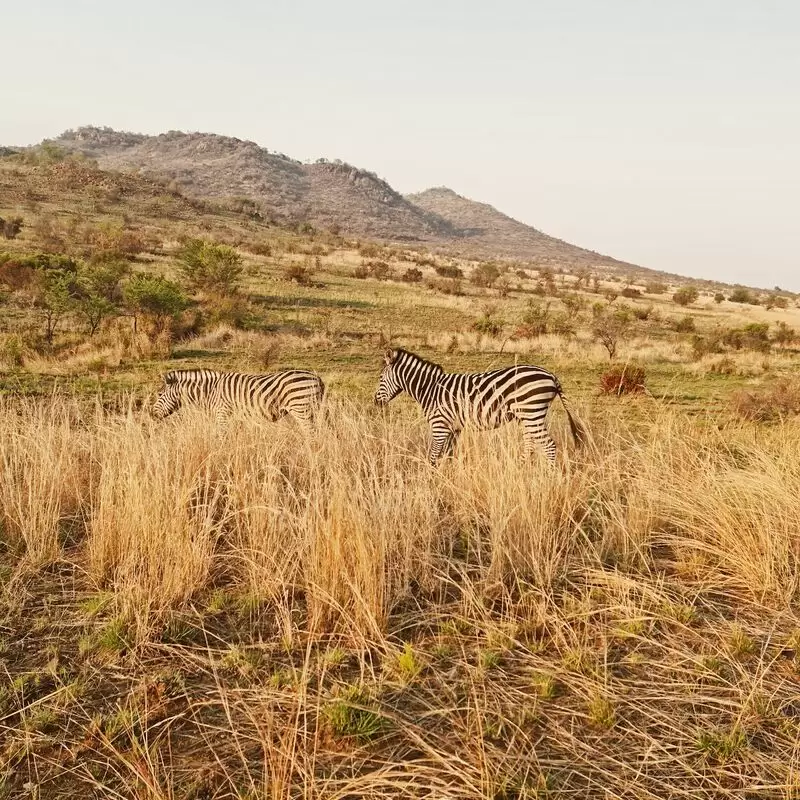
point(349, 515)
point(619, 624)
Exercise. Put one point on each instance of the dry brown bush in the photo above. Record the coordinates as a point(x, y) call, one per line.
point(780, 400)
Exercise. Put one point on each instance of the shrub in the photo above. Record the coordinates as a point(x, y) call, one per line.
point(422, 260)
point(209, 267)
point(742, 295)
point(157, 299)
point(686, 295)
point(573, 303)
point(623, 379)
point(775, 301)
point(485, 274)
point(631, 292)
point(535, 321)
point(781, 400)
point(361, 272)
point(755, 336)
point(685, 324)
point(448, 271)
point(299, 274)
point(642, 313)
point(55, 298)
point(564, 325)
point(489, 324)
point(446, 285)
point(379, 270)
point(705, 345)
point(261, 248)
point(369, 251)
point(10, 228)
point(609, 328)
point(784, 335)
point(412, 275)
point(719, 297)
point(655, 287)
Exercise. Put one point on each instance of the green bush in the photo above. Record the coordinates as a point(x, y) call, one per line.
point(535, 321)
point(489, 324)
point(686, 295)
point(154, 297)
point(211, 268)
point(448, 271)
point(412, 275)
point(742, 295)
point(485, 274)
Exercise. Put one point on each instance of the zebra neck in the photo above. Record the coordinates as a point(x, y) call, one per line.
point(421, 384)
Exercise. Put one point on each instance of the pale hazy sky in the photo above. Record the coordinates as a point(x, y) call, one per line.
point(664, 133)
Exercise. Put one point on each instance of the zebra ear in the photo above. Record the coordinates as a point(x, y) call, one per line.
point(388, 356)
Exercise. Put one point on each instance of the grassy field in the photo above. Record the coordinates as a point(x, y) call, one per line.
point(199, 609)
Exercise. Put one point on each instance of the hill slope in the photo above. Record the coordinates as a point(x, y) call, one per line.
point(327, 194)
point(485, 230)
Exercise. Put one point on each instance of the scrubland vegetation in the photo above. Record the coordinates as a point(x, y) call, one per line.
point(192, 609)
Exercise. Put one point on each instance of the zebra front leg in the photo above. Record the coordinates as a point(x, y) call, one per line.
point(442, 441)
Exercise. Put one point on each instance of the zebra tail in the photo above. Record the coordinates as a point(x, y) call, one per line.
point(578, 430)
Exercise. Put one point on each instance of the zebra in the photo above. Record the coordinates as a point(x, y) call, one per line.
point(296, 392)
point(486, 400)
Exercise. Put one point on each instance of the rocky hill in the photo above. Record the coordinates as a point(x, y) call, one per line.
point(326, 194)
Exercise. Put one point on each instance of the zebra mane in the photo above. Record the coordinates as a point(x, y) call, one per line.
point(409, 356)
point(185, 376)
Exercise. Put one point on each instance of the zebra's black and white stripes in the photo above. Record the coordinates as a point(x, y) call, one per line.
point(296, 392)
point(485, 400)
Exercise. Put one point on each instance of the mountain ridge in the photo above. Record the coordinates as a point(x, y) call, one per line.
point(329, 194)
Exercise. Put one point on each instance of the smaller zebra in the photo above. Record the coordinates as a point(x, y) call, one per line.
point(294, 391)
point(484, 400)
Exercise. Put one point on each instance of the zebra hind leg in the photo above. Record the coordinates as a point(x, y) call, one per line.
point(536, 436)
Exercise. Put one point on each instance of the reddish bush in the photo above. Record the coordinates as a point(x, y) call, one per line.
point(623, 379)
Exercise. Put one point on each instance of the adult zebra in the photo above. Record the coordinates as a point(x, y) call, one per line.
point(296, 392)
point(485, 400)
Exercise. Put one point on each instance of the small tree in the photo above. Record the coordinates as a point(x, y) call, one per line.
point(156, 298)
point(573, 303)
point(686, 295)
point(99, 292)
point(742, 295)
point(784, 335)
point(489, 324)
point(535, 320)
point(609, 328)
point(485, 274)
point(756, 336)
point(212, 268)
point(719, 297)
point(55, 299)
